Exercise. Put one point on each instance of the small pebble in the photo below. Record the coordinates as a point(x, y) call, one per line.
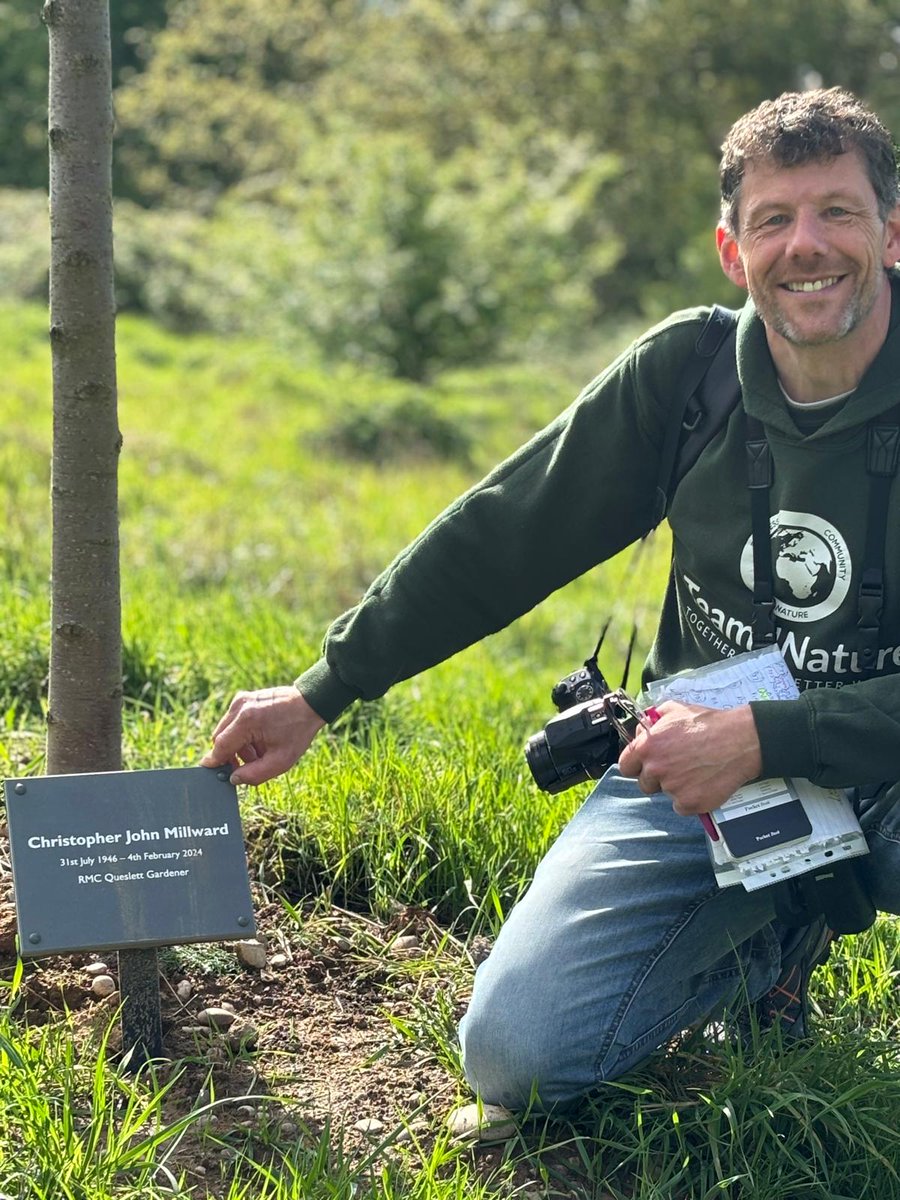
point(407, 941)
point(96, 968)
point(369, 1125)
point(183, 990)
point(216, 1018)
point(482, 1123)
point(418, 1126)
point(252, 953)
point(243, 1036)
point(103, 985)
point(278, 960)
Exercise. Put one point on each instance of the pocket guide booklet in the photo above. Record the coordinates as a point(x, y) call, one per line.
point(750, 822)
point(770, 829)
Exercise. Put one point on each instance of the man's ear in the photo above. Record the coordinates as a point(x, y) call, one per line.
point(892, 238)
point(730, 256)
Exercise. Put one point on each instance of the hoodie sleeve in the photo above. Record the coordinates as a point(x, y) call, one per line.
point(577, 493)
point(836, 738)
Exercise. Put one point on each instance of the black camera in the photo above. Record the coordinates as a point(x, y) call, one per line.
point(584, 739)
point(578, 744)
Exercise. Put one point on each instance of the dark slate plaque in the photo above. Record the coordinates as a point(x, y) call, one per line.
point(127, 859)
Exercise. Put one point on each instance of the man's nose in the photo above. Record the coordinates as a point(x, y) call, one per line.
point(807, 235)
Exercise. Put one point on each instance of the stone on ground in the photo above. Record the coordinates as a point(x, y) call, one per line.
point(482, 1123)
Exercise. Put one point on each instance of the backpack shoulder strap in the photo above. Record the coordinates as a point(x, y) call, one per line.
point(882, 461)
point(708, 390)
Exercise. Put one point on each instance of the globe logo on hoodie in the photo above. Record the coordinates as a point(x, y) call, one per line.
point(811, 566)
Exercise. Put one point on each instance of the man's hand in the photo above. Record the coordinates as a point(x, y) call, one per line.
point(700, 756)
point(263, 734)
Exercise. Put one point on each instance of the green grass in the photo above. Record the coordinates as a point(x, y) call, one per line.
point(246, 524)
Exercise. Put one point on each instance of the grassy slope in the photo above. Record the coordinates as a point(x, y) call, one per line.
point(240, 538)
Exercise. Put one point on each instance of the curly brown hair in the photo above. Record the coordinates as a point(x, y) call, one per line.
point(802, 127)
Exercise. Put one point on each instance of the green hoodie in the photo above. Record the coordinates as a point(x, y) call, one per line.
point(542, 518)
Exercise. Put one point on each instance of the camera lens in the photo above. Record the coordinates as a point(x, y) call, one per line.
point(540, 761)
point(550, 776)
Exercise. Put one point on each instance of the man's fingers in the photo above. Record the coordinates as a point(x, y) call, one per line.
point(262, 769)
point(228, 746)
point(232, 713)
point(234, 737)
point(629, 763)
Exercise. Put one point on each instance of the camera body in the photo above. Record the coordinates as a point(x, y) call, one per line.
point(582, 741)
point(577, 744)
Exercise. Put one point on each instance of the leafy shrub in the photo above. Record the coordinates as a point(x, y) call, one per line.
point(374, 251)
point(408, 427)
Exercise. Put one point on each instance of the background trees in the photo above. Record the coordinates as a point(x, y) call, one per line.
point(421, 182)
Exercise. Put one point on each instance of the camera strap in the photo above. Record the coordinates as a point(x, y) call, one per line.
point(882, 454)
point(882, 458)
point(760, 476)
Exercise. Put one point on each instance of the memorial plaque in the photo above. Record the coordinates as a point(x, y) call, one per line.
point(127, 859)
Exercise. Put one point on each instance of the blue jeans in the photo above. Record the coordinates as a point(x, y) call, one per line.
point(623, 940)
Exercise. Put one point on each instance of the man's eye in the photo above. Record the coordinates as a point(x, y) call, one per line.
point(774, 220)
point(836, 211)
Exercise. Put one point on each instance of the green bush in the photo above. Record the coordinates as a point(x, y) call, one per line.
point(374, 252)
point(409, 427)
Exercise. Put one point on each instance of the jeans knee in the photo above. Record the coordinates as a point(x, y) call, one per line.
point(518, 1064)
point(494, 1064)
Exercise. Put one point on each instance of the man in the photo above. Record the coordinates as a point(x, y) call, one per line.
point(624, 938)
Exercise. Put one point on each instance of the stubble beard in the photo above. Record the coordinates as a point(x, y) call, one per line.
point(857, 309)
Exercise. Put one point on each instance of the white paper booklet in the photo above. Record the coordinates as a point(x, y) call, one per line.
point(770, 829)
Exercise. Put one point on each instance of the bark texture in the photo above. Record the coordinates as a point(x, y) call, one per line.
point(85, 718)
point(84, 733)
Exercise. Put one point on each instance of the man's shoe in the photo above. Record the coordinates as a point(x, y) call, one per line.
point(786, 1004)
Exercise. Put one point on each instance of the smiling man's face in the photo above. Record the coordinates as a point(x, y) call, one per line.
point(811, 248)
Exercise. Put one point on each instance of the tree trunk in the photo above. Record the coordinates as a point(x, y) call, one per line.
point(85, 718)
point(84, 731)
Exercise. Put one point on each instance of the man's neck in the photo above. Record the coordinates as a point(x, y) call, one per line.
point(811, 373)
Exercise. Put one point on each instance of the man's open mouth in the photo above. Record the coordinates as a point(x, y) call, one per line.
point(812, 285)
